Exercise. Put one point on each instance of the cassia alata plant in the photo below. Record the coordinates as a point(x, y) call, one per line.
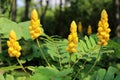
point(72, 38)
point(103, 29)
point(35, 30)
point(13, 44)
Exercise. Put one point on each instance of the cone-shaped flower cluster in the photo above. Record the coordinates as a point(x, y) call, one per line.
point(72, 38)
point(35, 29)
point(80, 27)
point(89, 30)
point(103, 29)
point(14, 47)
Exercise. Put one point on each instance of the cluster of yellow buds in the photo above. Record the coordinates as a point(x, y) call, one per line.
point(35, 29)
point(72, 38)
point(80, 27)
point(103, 29)
point(89, 30)
point(14, 47)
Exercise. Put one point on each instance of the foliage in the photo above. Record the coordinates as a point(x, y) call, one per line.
point(47, 73)
point(81, 65)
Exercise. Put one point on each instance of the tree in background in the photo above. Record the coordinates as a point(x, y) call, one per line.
point(43, 10)
point(57, 20)
point(13, 10)
point(86, 11)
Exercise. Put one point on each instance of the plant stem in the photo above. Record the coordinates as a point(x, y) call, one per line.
point(93, 64)
point(42, 52)
point(49, 38)
point(75, 62)
point(58, 56)
point(21, 65)
point(70, 60)
point(79, 70)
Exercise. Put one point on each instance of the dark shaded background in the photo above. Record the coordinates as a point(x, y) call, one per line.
point(56, 21)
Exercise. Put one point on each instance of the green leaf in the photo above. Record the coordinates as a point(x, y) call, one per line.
point(25, 29)
point(110, 73)
point(32, 68)
point(92, 41)
point(7, 25)
point(73, 57)
point(9, 77)
point(21, 78)
point(48, 73)
point(117, 77)
point(101, 74)
point(9, 68)
point(116, 47)
point(65, 72)
point(88, 42)
point(39, 76)
point(2, 77)
point(83, 46)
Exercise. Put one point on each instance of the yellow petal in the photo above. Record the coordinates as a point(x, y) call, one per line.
point(73, 50)
point(71, 44)
point(105, 44)
point(8, 44)
point(100, 29)
point(18, 54)
point(73, 27)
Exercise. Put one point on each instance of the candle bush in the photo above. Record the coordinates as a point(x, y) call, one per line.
point(43, 57)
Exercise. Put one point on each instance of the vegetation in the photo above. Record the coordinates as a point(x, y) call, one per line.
point(27, 52)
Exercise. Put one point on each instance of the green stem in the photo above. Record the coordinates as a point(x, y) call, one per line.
point(21, 65)
point(42, 52)
point(75, 62)
point(70, 60)
point(79, 70)
point(58, 56)
point(48, 37)
point(93, 64)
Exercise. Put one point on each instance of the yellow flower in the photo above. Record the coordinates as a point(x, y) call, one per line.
point(103, 29)
point(35, 30)
point(89, 30)
point(72, 38)
point(13, 45)
point(80, 27)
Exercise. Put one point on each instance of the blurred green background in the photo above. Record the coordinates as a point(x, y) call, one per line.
point(56, 15)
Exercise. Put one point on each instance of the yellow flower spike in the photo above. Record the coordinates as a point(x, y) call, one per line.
point(13, 46)
point(34, 14)
point(80, 27)
point(103, 29)
point(35, 30)
point(72, 38)
point(89, 30)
